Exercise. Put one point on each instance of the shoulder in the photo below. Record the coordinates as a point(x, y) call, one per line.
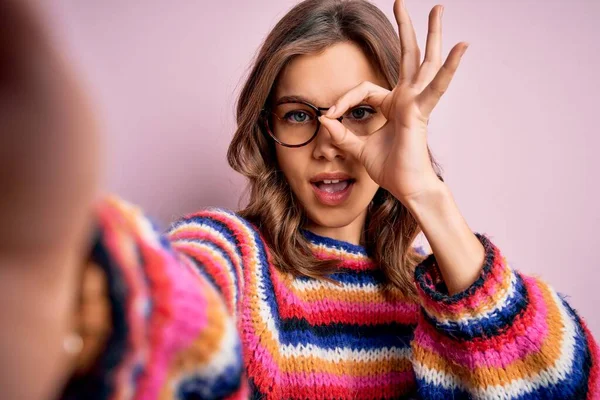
point(219, 221)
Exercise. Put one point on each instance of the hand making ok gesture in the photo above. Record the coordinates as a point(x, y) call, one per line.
point(396, 156)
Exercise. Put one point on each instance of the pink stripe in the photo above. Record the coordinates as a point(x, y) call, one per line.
point(349, 381)
point(179, 315)
point(348, 260)
point(330, 310)
point(220, 275)
point(527, 342)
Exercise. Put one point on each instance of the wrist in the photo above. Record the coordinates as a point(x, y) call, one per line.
point(431, 201)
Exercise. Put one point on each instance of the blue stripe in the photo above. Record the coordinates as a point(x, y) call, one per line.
point(334, 244)
point(214, 387)
point(430, 391)
point(352, 277)
point(296, 331)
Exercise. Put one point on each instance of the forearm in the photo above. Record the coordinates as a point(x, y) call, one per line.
point(458, 252)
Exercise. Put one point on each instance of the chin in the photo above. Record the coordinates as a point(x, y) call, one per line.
point(333, 217)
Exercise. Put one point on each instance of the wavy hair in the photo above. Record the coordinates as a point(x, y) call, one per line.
point(390, 229)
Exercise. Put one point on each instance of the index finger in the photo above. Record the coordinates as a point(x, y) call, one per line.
point(365, 92)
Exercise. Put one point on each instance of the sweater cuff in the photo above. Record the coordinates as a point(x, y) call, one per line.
point(485, 309)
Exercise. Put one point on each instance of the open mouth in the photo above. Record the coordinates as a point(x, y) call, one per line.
point(333, 185)
point(332, 192)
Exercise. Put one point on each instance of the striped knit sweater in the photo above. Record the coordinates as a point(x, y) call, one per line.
point(202, 313)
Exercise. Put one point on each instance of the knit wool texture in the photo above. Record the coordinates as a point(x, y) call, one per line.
point(201, 313)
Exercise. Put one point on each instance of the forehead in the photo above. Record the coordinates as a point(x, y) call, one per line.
point(322, 78)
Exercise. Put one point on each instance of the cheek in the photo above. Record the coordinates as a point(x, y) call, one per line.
point(366, 190)
point(293, 163)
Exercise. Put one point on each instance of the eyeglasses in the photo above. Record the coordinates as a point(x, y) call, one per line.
point(296, 123)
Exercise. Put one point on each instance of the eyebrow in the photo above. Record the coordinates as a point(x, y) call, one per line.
point(297, 98)
point(287, 99)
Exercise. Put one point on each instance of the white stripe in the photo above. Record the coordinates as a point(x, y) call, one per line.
point(340, 354)
point(222, 358)
point(339, 252)
point(304, 285)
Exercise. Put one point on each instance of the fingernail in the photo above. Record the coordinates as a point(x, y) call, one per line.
point(464, 49)
point(330, 111)
point(441, 11)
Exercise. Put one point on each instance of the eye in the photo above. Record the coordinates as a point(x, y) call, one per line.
point(361, 113)
point(297, 116)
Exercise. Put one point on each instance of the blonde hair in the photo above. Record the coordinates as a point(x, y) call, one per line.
point(390, 229)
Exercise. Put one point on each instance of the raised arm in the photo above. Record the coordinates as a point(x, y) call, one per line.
point(47, 187)
point(171, 326)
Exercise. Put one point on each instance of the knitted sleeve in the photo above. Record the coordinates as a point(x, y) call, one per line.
point(508, 336)
point(173, 297)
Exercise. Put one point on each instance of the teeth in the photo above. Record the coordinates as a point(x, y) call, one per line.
point(327, 182)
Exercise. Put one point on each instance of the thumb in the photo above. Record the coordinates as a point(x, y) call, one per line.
point(343, 137)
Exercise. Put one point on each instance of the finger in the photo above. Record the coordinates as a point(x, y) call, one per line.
point(365, 92)
point(430, 96)
point(343, 138)
point(433, 48)
point(411, 55)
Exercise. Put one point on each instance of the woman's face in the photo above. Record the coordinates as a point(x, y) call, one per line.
point(312, 170)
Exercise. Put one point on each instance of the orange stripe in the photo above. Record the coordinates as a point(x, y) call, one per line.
point(346, 367)
point(202, 349)
point(337, 293)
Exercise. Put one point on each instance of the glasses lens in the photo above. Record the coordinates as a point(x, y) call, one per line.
point(296, 123)
point(293, 123)
point(364, 120)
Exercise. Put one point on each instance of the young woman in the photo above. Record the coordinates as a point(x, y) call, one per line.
point(314, 290)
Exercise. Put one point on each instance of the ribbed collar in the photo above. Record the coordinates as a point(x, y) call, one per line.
point(352, 256)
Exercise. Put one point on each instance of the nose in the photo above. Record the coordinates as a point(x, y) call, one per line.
point(324, 149)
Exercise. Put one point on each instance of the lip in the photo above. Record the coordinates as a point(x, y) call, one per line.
point(332, 199)
point(330, 176)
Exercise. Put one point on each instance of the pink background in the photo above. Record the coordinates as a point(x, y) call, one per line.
point(516, 132)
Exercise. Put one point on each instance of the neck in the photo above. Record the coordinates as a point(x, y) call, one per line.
point(351, 233)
